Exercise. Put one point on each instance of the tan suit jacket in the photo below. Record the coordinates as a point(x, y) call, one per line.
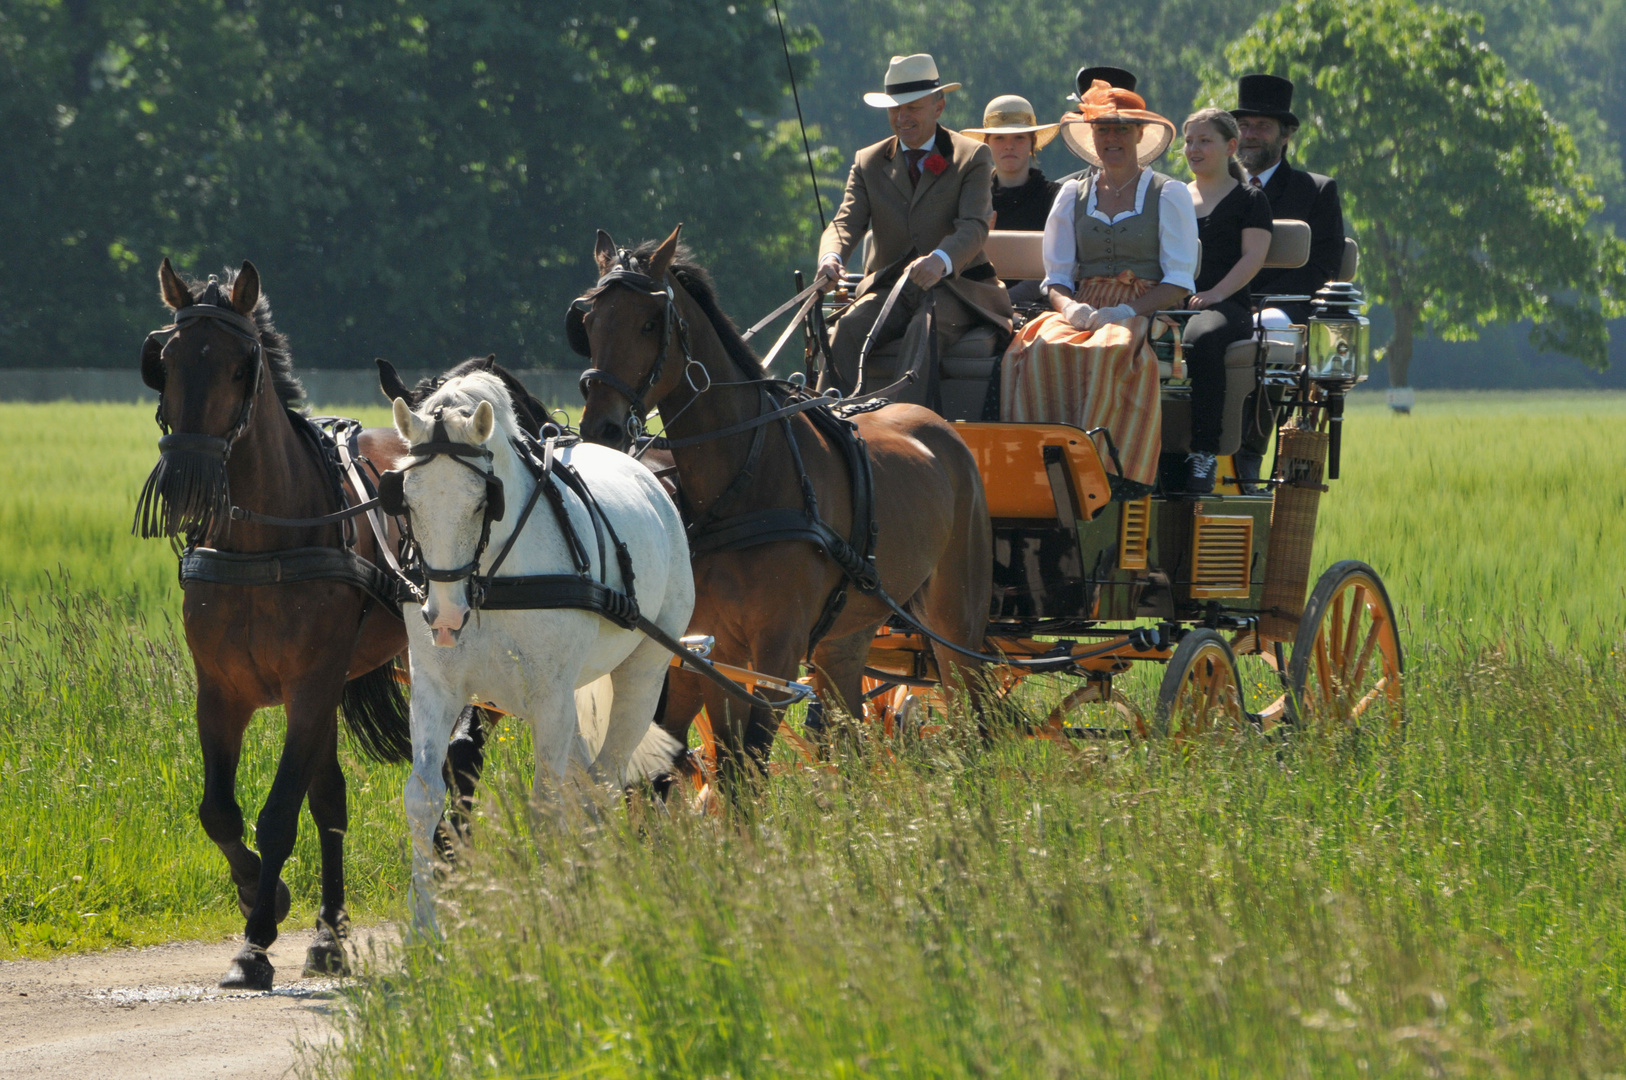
point(949, 210)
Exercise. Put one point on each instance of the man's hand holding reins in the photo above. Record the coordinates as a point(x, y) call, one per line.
point(830, 270)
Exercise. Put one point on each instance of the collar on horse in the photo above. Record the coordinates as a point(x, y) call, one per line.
point(627, 274)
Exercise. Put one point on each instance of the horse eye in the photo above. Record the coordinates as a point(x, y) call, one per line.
point(649, 327)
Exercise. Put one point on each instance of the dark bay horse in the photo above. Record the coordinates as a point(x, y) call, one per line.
point(763, 601)
point(227, 388)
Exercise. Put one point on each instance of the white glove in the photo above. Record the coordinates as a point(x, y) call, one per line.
point(1077, 313)
point(1107, 316)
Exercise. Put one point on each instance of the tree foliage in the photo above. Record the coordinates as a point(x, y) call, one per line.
point(417, 177)
point(1466, 194)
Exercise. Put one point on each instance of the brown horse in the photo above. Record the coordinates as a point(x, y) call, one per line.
point(227, 388)
point(763, 600)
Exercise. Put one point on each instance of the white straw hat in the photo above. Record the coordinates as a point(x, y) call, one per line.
point(909, 78)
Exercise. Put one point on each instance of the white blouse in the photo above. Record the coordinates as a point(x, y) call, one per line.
point(1176, 232)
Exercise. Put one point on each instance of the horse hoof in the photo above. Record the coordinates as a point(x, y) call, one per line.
point(285, 900)
point(250, 970)
point(326, 955)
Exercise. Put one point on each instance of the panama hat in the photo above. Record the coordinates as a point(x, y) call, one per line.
point(1265, 95)
point(1012, 115)
point(1106, 104)
point(909, 78)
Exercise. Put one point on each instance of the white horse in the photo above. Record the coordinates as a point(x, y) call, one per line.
point(588, 687)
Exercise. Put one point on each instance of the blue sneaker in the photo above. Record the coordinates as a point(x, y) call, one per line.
point(1200, 469)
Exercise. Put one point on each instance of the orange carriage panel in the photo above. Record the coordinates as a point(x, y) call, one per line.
point(1011, 458)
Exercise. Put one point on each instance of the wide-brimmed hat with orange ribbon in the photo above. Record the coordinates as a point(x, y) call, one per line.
point(1104, 103)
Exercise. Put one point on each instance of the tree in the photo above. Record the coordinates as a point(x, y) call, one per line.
point(415, 178)
point(1467, 196)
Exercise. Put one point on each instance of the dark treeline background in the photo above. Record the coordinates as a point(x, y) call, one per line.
point(421, 178)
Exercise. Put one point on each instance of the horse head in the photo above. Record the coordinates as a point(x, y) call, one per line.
point(449, 490)
point(208, 367)
point(627, 325)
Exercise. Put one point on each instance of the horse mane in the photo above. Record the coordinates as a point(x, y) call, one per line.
point(696, 281)
point(273, 343)
point(468, 390)
point(529, 413)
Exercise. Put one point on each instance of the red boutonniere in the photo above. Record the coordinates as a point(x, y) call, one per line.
point(935, 163)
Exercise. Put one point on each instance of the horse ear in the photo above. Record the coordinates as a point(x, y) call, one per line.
point(664, 255)
point(484, 423)
point(402, 413)
point(489, 363)
point(172, 288)
point(245, 289)
point(389, 380)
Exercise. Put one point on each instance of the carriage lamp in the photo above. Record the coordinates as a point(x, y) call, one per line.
point(1340, 338)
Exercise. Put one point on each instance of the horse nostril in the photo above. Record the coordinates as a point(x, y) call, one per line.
point(427, 616)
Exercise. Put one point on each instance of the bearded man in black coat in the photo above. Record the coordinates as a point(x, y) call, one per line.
point(1264, 112)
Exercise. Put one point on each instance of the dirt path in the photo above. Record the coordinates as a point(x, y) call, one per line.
point(139, 1013)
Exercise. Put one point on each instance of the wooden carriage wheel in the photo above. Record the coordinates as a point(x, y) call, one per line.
point(1112, 713)
point(1201, 691)
point(1347, 664)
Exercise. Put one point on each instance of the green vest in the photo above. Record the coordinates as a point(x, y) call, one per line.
point(1132, 244)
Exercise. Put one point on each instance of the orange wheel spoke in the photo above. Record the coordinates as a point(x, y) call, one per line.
point(1334, 619)
point(1362, 705)
point(1366, 653)
point(1322, 668)
point(1357, 607)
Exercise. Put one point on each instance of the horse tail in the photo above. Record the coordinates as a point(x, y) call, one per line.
point(377, 714)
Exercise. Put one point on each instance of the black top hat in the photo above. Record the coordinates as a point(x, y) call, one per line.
point(1265, 95)
point(1112, 76)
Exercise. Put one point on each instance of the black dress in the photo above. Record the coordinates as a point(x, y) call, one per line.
point(1025, 207)
point(1207, 335)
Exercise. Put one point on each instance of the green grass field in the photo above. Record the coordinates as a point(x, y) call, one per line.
point(1448, 903)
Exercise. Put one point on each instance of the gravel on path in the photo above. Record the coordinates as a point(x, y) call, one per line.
point(156, 1012)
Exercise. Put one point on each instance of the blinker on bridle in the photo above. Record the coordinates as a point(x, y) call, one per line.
point(626, 274)
point(392, 497)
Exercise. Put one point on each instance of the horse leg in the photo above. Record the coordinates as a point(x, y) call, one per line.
point(313, 714)
point(465, 760)
point(434, 713)
point(330, 812)
point(839, 671)
point(633, 747)
point(555, 739)
point(222, 720)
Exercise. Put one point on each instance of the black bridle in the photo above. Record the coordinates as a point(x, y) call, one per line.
point(627, 274)
point(152, 374)
point(392, 498)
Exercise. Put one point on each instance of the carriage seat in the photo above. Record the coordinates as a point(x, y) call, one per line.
point(1289, 249)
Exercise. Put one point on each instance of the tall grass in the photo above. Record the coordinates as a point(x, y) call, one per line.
point(102, 777)
point(1450, 903)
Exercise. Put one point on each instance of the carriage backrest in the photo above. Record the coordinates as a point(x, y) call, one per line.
point(1289, 245)
point(1019, 256)
point(1350, 264)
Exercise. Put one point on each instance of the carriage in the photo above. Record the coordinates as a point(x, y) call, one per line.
point(1085, 586)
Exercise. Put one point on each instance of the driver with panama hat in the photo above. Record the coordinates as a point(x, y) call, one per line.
point(925, 194)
